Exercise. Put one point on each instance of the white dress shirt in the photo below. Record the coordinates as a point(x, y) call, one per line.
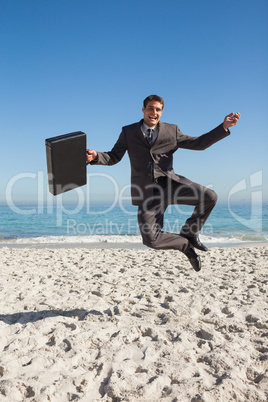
point(145, 128)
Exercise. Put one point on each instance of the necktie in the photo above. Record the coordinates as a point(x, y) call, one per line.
point(149, 136)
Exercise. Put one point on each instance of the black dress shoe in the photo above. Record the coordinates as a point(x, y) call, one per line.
point(194, 259)
point(196, 243)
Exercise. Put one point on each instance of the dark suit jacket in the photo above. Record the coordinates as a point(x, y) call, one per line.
point(143, 157)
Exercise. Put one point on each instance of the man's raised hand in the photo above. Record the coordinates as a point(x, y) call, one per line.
point(231, 120)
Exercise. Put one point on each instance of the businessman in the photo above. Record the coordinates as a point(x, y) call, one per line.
point(150, 144)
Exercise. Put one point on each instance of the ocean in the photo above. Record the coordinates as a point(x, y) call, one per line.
point(106, 223)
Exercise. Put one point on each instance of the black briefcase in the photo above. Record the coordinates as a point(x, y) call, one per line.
point(66, 162)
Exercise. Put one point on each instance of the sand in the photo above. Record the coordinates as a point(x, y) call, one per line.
point(82, 324)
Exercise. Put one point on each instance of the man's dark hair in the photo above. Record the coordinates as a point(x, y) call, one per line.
point(155, 98)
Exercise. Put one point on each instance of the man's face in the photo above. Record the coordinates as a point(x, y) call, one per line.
point(152, 113)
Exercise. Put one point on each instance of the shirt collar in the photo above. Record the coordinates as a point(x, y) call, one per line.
point(145, 128)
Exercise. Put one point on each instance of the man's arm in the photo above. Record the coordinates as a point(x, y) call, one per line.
point(108, 158)
point(206, 140)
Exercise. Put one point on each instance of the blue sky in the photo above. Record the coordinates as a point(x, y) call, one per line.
point(69, 65)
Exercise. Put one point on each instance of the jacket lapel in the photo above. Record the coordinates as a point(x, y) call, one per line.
point(159, 137)
point(141, 134)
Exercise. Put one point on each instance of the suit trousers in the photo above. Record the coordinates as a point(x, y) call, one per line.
point(170, 192)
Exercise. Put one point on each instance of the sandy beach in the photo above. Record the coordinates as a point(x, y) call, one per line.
point(81, 324)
